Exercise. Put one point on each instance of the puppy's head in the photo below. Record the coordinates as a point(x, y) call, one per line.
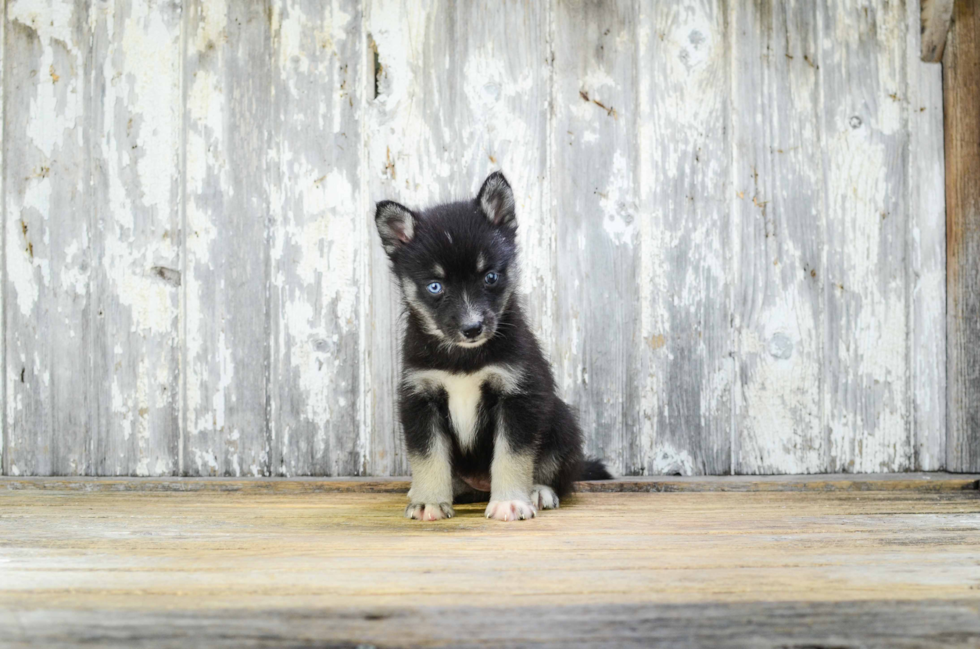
point(455, 262)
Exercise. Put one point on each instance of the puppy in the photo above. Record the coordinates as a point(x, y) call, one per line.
point(477, 398)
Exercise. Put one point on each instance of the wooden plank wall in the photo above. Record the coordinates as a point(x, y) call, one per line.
point(731, 216)
point(961, 76)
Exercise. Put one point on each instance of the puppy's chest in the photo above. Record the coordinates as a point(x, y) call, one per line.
point(464, 394)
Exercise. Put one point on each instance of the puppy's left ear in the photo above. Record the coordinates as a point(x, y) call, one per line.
point(496, 199)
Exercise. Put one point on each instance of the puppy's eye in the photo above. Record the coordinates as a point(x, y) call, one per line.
point(435, 288)
point(491, 278)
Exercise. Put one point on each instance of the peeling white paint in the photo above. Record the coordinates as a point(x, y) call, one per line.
point(4, 292)
point(54, 116)
point(211, 30)
point(618, 202)
point(441, 121)
point(147, 40)
point(927, 217)
point(670, 461)
point(20, 270)
point(866, 404)
point(500, 127)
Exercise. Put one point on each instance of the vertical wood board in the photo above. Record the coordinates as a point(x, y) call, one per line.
point(684, 348)
point(412, 158)
point(136, 135)
point(52, 312)
point(503, 120)
point(315, 383)
point(595, 203)
point(865, 147)
point(934, 17)
point(961, 89)
point(779, 214)
point(927, 256)
point(228, 131)
point(3, 249)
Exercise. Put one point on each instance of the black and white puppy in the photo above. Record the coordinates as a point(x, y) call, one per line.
point(477, 398)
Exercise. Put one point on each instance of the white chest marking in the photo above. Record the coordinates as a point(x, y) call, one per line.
point(465, 393)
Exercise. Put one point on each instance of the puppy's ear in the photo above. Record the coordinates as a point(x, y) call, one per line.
point(496, 199)
point(396, 225)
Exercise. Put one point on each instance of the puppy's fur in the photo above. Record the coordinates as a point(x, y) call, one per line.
point(477, 398)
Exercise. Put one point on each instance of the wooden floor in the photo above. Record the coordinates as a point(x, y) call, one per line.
point(300, 567)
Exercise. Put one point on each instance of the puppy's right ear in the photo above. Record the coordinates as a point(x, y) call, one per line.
point(396, 225)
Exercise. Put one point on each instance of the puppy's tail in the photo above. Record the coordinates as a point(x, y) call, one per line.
point(593, 469)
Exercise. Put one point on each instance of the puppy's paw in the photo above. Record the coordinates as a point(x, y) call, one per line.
point(510, 510)
point(544, 497)
point(429, 511)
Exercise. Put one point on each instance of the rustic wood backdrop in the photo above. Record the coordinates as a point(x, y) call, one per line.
point(731, 215)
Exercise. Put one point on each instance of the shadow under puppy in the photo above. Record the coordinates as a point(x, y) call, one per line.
point(477, 398)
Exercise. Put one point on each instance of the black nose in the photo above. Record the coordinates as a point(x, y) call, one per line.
point(472, 330)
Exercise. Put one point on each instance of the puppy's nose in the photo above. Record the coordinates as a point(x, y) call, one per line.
point(472, 330)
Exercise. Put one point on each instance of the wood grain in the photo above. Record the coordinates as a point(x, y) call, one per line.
point(684, 350)
point(503, 122)
point(730, 221)
point(935, 16)
point(168, 567)
point(136, 143)
point(595, 202)
point(961, 90)
point(3, 249)
point(865, 152)
point(225, 311)
point(52, 305)
point(919, 482)
point(412, 158)
point(882, 624)
point(778, 205)
point(927, 257)
point(316, 294)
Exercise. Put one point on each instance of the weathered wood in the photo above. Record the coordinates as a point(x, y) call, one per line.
point(918, 482)
point(221, 485)
point(595, 204)
point(136, 141)
point(780, 238)
point(865, 148)
point(684, 348)
point(53, 312)
point(879, 624)
point(927, 257)
point(225, 315)
point(3, 252)
point(961, 91)
point(315, 384)
point(730, 222)
point(503, 81)
point(935, 16)
point(824, 569)
point(412, 157)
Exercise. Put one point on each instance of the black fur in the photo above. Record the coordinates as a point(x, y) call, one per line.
point(453, 238)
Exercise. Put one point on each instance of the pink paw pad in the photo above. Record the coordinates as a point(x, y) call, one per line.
point(429, 511)
point(510, 510)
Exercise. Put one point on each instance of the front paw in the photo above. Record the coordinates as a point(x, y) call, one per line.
point(544, 497)
point(510, 510)
point(429, 511)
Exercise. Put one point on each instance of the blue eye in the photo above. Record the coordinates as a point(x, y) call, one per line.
point(435, 288)
point(491, 278)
